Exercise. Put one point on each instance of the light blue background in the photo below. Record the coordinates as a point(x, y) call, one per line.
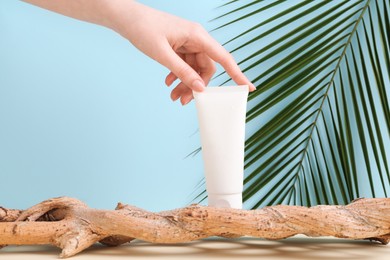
point(85, 114)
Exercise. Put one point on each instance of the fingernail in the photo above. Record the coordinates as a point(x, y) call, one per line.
point(198, 85)
point(168, 83)
point(174, 97)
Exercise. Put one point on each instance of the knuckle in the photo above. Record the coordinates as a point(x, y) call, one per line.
point(227, 58)
point(235, 75)
point(213, 68)
point(184, 71)
point(197, 28)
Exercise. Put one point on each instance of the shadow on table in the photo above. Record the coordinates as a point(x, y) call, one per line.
point(218, 248)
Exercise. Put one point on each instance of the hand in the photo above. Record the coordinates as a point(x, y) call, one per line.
point(184, 47)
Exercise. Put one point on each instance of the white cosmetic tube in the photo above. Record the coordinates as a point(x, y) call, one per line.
point(221, 115)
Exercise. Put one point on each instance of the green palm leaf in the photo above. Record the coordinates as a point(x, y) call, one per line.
point(319, 121)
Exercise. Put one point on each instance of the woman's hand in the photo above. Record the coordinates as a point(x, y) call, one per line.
point(184, 47)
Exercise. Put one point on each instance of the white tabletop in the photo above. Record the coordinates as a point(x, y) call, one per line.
point(298, 248)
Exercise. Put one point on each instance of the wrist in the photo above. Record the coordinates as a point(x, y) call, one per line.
point(120, 15)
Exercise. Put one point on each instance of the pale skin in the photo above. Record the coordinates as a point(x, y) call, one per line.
point(184, 47)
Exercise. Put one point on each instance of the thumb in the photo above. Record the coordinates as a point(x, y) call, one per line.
point(182, 70)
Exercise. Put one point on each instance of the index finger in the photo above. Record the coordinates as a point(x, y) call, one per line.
point(219, 54)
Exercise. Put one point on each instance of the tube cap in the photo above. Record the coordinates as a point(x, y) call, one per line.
point(225, 200)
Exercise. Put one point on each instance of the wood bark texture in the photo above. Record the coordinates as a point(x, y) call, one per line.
point(72, 226)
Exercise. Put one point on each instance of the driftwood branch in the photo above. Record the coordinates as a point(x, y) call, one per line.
point(72, 226)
